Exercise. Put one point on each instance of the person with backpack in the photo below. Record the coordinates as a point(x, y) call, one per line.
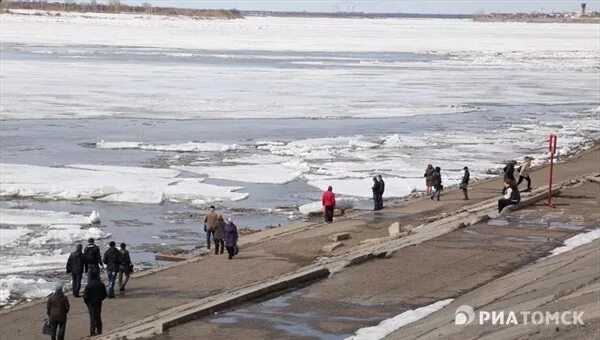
point(112, 260)
point(75, 265)
point(93, 260)
point(511, 196)
point(93, 295)
point(57, 309)
point(464, 184)
point(437, 183)
point(126, 267)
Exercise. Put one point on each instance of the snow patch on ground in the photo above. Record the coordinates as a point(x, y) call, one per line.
point(389, 326)
point(576, 241)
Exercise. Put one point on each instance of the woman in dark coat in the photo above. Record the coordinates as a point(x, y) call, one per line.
point(376, 190)
point(218, 236)
point(93, 295)
point(230, 236)
point(437, 183)
point(429, 178)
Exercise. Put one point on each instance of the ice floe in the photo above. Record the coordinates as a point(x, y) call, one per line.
point(44, 217)
point(388, 326)
point(361, 187)
point(67, 234)
point(180, 147)
point(253, 173)
point(10, 236)
point(316, 207)
point(35, 263)
point(23, 288)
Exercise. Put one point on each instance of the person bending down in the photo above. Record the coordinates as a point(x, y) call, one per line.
point(511, 196)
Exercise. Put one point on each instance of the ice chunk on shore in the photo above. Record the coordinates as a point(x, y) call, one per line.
point(576, 241)
point(180, 147)
point(389, 326)
point(255, 173)
point(9, 236)
point(33, 263)
point(107, 183)
point(316, 207)
point(26, 288)
point(94, 217)
point(41, 217)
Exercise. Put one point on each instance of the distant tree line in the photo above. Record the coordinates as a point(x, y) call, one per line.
point(115, 6)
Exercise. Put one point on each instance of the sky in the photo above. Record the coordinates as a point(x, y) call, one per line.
point(383, 6)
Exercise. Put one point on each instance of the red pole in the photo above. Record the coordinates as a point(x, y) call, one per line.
point(552, 150)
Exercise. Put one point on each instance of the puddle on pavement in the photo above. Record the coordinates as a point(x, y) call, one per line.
point(279, 314)
point(382, 216)
point(540, 239)
point(536, 223)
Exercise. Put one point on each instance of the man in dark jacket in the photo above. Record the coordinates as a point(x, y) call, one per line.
point(381, 190)
point(126, 267)
point(57, 310)
point(75, 267)
point(93, 261)
point(112, 260)
point(93, 295)
point(437, 183)
point(376, 188)
point(464, 184)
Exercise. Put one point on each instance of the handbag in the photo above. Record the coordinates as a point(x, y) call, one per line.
point(46, 327)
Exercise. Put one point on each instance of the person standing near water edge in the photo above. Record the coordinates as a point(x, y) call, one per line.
point(93, 260)
point(381, 190)
point(464, 184)
point(125, 268)
point(75, 265)
point(93, 295)
point(230, 236)
point(437, 183)
point(57, 309)
point(210, 221)
point(429, 178)
point(218, 235)
point(328, 201)
point(376, 188)
point(524, 172)
point(112, 260)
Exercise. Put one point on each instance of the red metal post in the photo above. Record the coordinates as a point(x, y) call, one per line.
point(552, 151)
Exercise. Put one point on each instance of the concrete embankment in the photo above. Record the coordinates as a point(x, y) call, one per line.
point(272, 254)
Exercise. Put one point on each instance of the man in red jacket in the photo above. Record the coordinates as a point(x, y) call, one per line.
point(328, 200)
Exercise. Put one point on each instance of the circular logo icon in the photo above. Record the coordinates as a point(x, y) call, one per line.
point(464, 315)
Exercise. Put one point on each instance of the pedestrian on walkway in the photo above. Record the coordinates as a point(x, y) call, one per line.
point(230, 236)
point(381, 190)
point(112, 260)
point(429, 171)
point(219, 228)
point(75, 267)
point(93, 261)
point(93, 295)
point(210, 221)
point(328, 201)
point(509, 173)
point(511, 196)
point(125, 267)
point(376, 188)
point(464, 184)
point(524, 172)
point(57, 309)
point(437, 183)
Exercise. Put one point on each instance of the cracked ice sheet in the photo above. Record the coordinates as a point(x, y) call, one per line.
point(113, 184)
point(255, 173)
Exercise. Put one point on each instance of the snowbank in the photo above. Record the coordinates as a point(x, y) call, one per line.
point(388, 326)
point(576, 241)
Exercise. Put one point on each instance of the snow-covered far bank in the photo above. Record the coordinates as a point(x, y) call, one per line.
point(108, 183)
point(388, 326)
point(299, 34)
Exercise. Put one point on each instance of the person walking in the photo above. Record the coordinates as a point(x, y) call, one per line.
point(464, 184)
point(112, 260)
point(210, 221)
point(437, 183)
point(509, 173)
point(524, 172)
point(93, 261)
point(328, 201)
point(75, 265)
point(218, 236)
point(429, 171)
point(230, 236)
point(57, 309)
point(381, 190)
point(376, 188)
point(93, 295)
point(511, 196)
point(125, 267)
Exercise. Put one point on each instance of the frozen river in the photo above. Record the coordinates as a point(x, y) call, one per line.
point(150, 120)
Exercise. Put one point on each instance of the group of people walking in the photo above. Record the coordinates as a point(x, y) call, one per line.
point(89, 260)
point(223, 232)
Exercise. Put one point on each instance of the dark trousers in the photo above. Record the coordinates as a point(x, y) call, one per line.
point(112, 277)
point(521, 178)
point(437, 192)
point(94, 267)
point(503, 203)
point(230, 251)
point(219, 246)
point(95, 311)
point(209, 234)
point(57, 329)
point(329, 213)
point(380, 201)
point(76, 283)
